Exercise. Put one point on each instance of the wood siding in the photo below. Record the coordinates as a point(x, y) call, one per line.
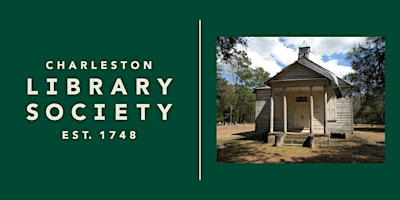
point(344, 118)
point(262, 110)
point(344, 112)
point(318, 118)
point(298, 72)
point(297, 79)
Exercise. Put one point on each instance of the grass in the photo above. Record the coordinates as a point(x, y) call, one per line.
point(240, 144)
point(370, 127)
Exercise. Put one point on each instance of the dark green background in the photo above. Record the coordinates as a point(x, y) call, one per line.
point(162, 161)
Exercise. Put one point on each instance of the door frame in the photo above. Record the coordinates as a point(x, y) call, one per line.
point(305, 113)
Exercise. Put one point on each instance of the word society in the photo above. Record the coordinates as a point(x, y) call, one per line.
point(95, 89)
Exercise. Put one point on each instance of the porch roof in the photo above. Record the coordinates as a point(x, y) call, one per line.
point(341, 87)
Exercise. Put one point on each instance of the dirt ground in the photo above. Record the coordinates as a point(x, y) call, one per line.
point(240, 144)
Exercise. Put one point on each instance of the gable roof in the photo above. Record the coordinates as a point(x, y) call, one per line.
point(341, 87)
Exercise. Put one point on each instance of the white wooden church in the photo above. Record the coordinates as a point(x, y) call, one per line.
point(306, 98)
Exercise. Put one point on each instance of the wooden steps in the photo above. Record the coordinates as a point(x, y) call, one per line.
point(299, 139)
point(295, 139)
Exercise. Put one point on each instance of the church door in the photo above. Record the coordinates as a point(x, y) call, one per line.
point(301, 113)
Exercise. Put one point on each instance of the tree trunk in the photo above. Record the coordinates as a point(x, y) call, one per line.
point(231, 115)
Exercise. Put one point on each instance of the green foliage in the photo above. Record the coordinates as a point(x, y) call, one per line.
point(240, 68)
point(245, 104)
point(236, 100)
point(370, 111)
point(368, 62)
point(260, 77)
point(226, 47)
point(226, 100)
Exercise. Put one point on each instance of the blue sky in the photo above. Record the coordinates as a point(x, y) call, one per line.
point(274, 53)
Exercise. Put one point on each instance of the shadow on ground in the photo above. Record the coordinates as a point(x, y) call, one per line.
point(250, 148)
point(370, 129)
point(251, 135)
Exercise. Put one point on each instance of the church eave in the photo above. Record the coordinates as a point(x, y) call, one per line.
point(305, 62)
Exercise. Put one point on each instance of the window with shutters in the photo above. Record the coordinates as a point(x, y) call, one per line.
point(332, 110)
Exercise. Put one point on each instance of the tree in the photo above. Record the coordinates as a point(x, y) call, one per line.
point(240, 68)
point(226, 47)
point(250, 79)
point(368, 62)
point(260, 76)
point(245, 106)
point(235, 98)
point(226, 100)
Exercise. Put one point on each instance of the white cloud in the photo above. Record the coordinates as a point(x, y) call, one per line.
point(258, 60)
point(326, 45)
point(273, 53)
point(332, 65)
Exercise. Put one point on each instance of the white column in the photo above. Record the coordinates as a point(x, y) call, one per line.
point(271, 114)
point(311, 110)
point(325, 111)
point(284, 111)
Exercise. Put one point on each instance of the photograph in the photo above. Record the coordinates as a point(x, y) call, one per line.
point(300, 99)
